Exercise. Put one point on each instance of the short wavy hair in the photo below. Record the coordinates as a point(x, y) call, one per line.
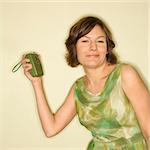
point(80, 29)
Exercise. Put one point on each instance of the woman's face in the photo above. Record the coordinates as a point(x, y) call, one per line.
point(92, 48)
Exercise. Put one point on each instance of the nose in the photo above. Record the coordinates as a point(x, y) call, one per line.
point(93, 46)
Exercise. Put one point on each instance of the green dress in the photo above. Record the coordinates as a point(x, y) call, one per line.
point(109, 116)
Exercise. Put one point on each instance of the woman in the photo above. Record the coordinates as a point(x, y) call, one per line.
point(111, 100)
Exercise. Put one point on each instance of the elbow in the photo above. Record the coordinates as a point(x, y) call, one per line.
point(51, 131)
point(50, 134)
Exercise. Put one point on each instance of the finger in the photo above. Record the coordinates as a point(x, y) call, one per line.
point(27, 69)
point(27, 66)
point(25, 60)
point(27, 73)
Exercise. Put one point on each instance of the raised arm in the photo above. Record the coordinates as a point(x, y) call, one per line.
point(139, 97)
point(52, 123)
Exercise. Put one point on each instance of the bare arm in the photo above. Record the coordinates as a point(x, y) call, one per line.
point(139, 97)
point(51, 123)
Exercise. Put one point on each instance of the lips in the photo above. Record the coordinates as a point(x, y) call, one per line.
point(92, 55)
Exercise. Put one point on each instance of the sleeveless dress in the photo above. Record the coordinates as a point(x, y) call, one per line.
point(109, 116)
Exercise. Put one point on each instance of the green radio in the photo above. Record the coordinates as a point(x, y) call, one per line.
point(37, 69)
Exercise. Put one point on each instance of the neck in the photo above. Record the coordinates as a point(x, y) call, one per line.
point(93, 75)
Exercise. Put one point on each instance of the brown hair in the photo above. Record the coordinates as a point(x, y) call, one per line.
point(81, 28)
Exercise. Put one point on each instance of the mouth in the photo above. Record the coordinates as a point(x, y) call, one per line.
point(92, 55)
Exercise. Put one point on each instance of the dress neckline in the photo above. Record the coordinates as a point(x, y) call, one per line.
point(104, 87)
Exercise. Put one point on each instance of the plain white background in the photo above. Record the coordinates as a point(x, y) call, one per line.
point(27, 26)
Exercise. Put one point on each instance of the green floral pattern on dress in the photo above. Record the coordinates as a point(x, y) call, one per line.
point(109, 116)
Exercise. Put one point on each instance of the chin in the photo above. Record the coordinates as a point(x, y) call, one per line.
point(91, 66)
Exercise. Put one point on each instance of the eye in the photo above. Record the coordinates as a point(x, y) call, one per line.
point(100, 41)
point(84, 41)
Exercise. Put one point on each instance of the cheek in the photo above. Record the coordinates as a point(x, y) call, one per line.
point(103, 46)
point(103, 49)
point(77, 52)
point(80, 55)
point(80, 50)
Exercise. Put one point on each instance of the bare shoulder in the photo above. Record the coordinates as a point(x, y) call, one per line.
point(129, 73)
point(131, 79)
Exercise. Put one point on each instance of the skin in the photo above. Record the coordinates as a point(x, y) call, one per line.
point(91, 53)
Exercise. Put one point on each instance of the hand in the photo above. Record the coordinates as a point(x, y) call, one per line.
point(27, 66)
